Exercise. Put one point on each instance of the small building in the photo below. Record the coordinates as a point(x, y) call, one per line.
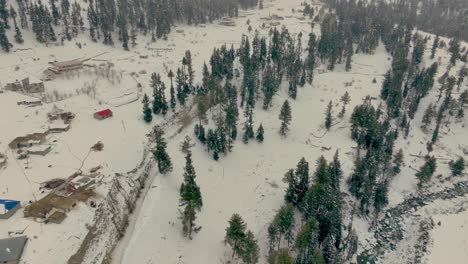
point(63, 66)
point(103, 114)
point(39, 150)
point(8, 208)
point(26, 85)
point(59, 128)
point(11, 249)
point(14, 86)
point(56, 217)
point(32, 85)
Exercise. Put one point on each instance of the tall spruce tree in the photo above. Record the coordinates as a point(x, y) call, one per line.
point(160, 154)
point(190, 198)
point(285, 117)
point(328, 116)
point(235, 234)
point(147, 114)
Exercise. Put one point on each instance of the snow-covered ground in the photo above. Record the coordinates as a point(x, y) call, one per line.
point(451, 241)
point(247, 181)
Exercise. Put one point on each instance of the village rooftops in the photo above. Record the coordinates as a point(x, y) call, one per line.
point(11, 249)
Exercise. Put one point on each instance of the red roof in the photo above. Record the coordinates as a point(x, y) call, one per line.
point(105, 112)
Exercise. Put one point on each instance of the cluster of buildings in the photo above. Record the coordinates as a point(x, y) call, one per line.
point(26, 85)
point(30, 85)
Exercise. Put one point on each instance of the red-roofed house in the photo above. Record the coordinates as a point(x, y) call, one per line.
point(103, 114)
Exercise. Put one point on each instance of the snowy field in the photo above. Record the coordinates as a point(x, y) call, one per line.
point(247, 181)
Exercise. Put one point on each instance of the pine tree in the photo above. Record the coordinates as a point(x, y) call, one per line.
point(186, 145)
point(55, 12)
point(160, 154)
point(191, 198)
point(345, 99)
point(4, 42)
point(397, 162)
point(285, 117)
point(426, 171)
point(435, 45)
point(428, 116)
point(336, 173)
point(155, 83)
point(172, 91)
point(284, 220)
point(292, 90)
point(248, 125)
point(328, 116)
point(250, 251)
point(457, 167)
point(454, 50)
point(310, 61)
point(260, 133)
point(190, 71)
point(147, 115)
point(4, 14)
point(349, 52)
point(235, 234)
point(18, 35)
point(281, 256)
point(307, 241)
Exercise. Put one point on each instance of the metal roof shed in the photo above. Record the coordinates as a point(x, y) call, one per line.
point(11, 249)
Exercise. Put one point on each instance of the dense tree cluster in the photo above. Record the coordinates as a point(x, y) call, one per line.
point(61, 20)
point(318, 200)
point(440, 17)
point(372, 131)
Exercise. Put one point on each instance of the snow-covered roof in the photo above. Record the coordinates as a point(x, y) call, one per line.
point(11, 249)
point(69, 63)
point(39, 148)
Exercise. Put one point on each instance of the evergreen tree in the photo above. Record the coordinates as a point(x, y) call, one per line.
point(191, 198)
point(435, 45)
point(147, 115)
point(426, 171)
point(454, 50)
point(160, 154)
point(397, 162)
point(285, 117)
point(349, 52)
point(270, 87)
point(4, 42)
point(250, 251)
point(235, 234)
point(172, 92)
point(22, 14)
point(284, 224)
point(186, 145)
point(457, 167)
point(55, 12)
point(345, 99)
point(428, 116)
point(248, 125)
point(336, 173)
point(307, 241)
point(4, 14)
point(310, 61)
point(281, 256)
point(260, 133)
point(328, 116)
point(380, 196)
point(292, 90)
